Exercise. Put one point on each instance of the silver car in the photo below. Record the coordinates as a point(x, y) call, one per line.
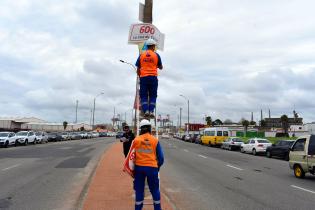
point(232, 143)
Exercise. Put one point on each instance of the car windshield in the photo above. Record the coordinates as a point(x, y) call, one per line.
point(237, 140)
point(4, 134)
point(23, 133)
point(289, 143)
point(38, 133)
point(263, 141)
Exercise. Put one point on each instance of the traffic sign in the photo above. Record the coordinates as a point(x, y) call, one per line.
point(139, 33)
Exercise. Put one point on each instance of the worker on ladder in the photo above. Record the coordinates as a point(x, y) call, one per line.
point(147, 64)
point(148, 160)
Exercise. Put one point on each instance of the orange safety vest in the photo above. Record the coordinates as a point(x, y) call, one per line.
point(148, 64)
point(145, 147)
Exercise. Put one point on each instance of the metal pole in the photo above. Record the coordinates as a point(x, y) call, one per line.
point(76, 112)
point(114, 118)
point(180, 118)
point(188, 117)
point(93, 112)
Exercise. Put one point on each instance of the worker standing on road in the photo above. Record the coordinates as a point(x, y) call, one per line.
point(127, 139)
point(148, 160)
point(147, 64)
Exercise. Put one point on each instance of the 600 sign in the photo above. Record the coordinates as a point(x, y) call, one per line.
point(147, 29)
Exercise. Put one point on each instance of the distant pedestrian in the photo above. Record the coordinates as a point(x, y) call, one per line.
point(148, 160)
point(127, 139)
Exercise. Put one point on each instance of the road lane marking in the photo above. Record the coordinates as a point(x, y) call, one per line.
point(186, 150)
point(202, 156)
point(14, 166)
point(300, 188)
point(235, 167)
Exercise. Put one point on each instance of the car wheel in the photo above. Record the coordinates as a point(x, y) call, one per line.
point(298, 172)
point(242, 150)
point(26, 142)
point(6, 144)
point(287, 157)
point(254, 152)
point(34, 142)
point(268, 154)
point(16, 143)
point(230, 148)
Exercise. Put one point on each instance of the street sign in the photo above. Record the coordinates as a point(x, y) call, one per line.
point(139, 33)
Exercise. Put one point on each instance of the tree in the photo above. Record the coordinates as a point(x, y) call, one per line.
point(82, 128)
point(285, 123)
point(262, 123)
point(252, 123)
point(227, 122)
point(217, 122)
point(245, 124)
point(65, 124)
point(209, 121)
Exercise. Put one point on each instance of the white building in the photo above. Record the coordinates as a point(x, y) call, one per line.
point(32, 123)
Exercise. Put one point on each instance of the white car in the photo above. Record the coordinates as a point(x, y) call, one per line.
point(41, 137)
point(26, 137)
point(95, 134)
point(165, 136)
point(255, 146)
point(7, 139)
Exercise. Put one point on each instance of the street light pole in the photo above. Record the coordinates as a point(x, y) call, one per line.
point(76, 111)
point(94, 109)
point(188, 111)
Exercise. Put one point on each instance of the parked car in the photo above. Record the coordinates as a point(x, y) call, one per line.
point(66, 136)
point(103, 134)
point(26, 137)
point(198, 139)
point(119, 134)
point(89, 135)
point(302, 156)
point(7, 139)
point(232, 143)
point(183, 137)
point(76, 135)
point(54, 137)
point(255, 146)
point(95, 134)
point(84, 135)
point(41, 137)
point(280, 149)
point(165, 136)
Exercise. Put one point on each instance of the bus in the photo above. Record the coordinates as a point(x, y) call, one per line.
point(214, 136)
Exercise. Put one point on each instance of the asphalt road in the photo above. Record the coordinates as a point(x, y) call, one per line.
point(197, 177)
point(48, 176)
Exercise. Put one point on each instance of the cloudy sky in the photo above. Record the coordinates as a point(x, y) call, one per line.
point(229, 57)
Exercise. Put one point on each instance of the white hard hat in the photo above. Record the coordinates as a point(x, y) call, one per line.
point(144, 122)
point(150, 42)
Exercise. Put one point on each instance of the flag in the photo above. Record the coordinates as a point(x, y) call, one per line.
point(129, 163)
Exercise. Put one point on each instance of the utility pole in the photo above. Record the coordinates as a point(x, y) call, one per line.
point(180, 117)
point(147, 13)
point(269, 114)
point(76, 111)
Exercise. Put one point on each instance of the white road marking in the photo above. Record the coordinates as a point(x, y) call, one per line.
point(14, 166)
point(300, 188)
point(202, 156)
point(235, 167)
point(186, 150)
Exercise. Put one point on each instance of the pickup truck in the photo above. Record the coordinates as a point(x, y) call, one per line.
point(302, 156)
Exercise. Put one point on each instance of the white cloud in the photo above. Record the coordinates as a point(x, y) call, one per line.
point(228, 57)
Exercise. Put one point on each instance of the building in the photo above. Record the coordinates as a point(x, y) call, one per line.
point(275, 122)
point(32, 123)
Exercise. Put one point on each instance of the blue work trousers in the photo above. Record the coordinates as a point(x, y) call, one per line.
point(148, 93)
point(152, 175)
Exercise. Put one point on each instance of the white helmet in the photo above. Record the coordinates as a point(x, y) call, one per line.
point(150, 42)
point(144, 122)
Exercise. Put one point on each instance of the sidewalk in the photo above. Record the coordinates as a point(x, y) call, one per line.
point(112, 189)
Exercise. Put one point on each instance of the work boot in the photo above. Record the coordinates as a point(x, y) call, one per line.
point(147, 114)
